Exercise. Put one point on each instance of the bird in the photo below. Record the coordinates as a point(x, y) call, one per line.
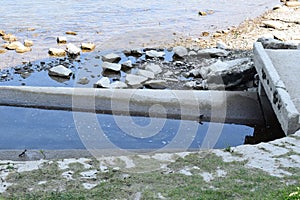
point(23, 153)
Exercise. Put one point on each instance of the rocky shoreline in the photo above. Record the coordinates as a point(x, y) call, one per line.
point(220, 61)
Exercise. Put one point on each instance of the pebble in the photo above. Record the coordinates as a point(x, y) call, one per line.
point(61, 40)
point(135, 80)
point(14, 45)
point(83, 81)
point(111, 66)
point(156, 69)
point(146, 73)
point(2, 32)
point(73, 50)
point(28, 43)
point(23, 49)
point(104, 82)
point(57, 52)
point(2, 51)
point(60, 71)
point(112, 57)
point(71, 33)
point(155, 54)
point(180, 51)
point(127, 64)
point(156, 84)
point(88, 46)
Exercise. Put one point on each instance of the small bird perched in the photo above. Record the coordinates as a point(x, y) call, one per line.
point(23, 153)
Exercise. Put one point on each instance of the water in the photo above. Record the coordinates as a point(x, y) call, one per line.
point(115, 24)
point(29, 128)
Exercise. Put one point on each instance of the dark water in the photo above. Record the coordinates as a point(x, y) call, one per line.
point(28, 128)
point(116, 24)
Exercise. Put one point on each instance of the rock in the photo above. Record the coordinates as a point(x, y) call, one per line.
point(133, 52)
point(57, 52)
point(192, 53)
point(9, 37)
point(73, 50)
point(127, 64)
point(274, 24)
point(202, 13)
point(292, 3)
point(269, 43)
point(154, 54)
point(213, 52)
point(60, 71)
point(61, 40)
point(205, 34)
point(104, 82)
point(88, 46)
point(135, 80)
point(280, 35)
point(28, 43)
point(83, 81)
point(191, 84)
point(112, 57)
point(195, 73)
point(2, 51)
point(23, 49)
point(180, 51)
point(14, 45)
point(221, 45)
point(231, 73)
point(156, 69)
point(146, 73)
point(71, 33)
point(156, 84)
point(2, 32)
point(168, 74)
point(118, 85)
point(31, 29)
point(111, 66)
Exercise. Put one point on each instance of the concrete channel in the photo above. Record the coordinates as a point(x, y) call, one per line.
point(278, 71)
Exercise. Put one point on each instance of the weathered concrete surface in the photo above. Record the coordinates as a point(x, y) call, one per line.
point(279, 75)
point(216, 106)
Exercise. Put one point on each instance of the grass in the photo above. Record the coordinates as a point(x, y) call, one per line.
point(239, 183)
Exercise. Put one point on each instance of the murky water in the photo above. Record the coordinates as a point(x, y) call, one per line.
point(115, 24)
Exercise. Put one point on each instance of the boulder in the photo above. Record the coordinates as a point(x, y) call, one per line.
point(57, 52)
point(111, 66)
point(88, 46)
point(156, 69)
point(135, 80)
point(28, 43)
point(61, 40)
point(155, 54)
point(104, 82)
point(146, 73)
point(112, 57)
point(60, 71)
point(156, 84)
point(73, 50)
point(213, 52)
point(180, 51)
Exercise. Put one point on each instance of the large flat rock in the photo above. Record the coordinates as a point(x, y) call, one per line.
point(279, 72)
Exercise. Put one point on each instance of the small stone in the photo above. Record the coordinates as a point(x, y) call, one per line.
point(88, 46)
point(292, 4)
point(213, 52)
point(23, 49)
point(195, 73)
point(71, 33)
point(104, 82)
point(60, 71)
point(9, 37)
point(135, 80)
point(146, 73)
point(28, 43)
point(156, 84)
point(180, 51)
point(274, 24)
point(205, 34)
point(133, 52)
point(221, 45)
point(61, 40)
point(118, 85)
point(155, 54)
point(202, 13)
point(83, 81)
point(127, 64)
point(57, 52)
point(111, 66)
point(14, 45)
point(191, 84)
point(112, 57)
point(156, 69)
point(2, 51)
point(2, 32)
point(192, 53)
point(31, 29)
point(73, 50)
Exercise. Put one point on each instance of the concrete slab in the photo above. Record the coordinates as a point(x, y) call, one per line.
point(216, 106)
point(279, 73)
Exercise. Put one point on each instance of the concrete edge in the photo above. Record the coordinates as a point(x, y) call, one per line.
point(216, 106)
point(281, 102)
